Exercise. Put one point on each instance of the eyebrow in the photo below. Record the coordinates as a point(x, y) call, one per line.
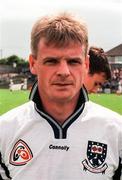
point(76, 58)
point(58, 58)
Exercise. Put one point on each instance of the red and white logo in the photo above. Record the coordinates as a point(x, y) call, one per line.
point(20, 154)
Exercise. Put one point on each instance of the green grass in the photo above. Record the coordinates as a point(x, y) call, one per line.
point(111, 101)
point(9, 100)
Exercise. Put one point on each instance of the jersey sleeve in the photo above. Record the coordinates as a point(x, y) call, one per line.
point(118, 172)
point(4, 173)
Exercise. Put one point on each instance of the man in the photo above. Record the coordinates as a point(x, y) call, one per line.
point(99, 70)
point(59, 134)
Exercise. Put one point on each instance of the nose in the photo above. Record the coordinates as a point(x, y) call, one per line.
point(63, 69)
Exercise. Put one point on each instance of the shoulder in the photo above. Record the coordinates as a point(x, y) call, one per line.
point(103, 113)
point(20, 108)
point(16, 116)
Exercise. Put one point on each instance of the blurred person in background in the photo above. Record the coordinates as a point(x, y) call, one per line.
point(99, 70)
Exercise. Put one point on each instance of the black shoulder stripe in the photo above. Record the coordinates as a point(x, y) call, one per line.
point(4, 167)
point(117, 174)
point(1, 178)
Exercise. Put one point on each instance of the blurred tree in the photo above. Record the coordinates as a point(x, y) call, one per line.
point(15, 61)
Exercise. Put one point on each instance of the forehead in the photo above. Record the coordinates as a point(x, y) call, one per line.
point(73, 49)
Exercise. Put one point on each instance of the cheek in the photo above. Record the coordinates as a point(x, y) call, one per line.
point(45, 76)
point(43, 82)
point(80, 76)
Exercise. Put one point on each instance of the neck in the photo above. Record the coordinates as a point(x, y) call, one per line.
point(60, 111)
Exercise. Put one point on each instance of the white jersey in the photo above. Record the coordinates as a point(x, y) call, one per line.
point(33, 146)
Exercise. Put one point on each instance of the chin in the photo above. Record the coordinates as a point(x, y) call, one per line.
point(62, 99)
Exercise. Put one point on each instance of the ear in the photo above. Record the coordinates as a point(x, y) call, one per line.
point(32, 64)
point(87, 63)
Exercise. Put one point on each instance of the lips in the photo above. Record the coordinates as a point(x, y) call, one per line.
point(62, 84)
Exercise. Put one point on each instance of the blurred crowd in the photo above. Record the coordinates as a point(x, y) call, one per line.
point(115, 84)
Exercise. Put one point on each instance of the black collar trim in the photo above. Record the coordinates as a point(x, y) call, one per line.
point(60, 131)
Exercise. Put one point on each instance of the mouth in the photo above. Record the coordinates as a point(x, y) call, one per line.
point(62, 84)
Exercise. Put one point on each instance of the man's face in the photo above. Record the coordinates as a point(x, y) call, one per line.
point(94, 82)
point(60, 71)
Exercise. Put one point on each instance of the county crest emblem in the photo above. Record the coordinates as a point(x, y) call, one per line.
point(96, 155)
point(20, 154)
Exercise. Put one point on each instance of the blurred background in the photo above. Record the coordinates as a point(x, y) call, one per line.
point(103, 18)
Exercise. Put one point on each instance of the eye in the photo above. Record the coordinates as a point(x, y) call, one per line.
point(74, 61)
point(50, 61)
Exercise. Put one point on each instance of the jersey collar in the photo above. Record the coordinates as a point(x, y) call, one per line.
point(60, 131)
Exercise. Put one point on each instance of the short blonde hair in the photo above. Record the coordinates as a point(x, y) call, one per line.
point(59, 31)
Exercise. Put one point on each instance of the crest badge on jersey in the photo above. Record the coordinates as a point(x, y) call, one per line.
point(20, 154)
point(96, 155)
